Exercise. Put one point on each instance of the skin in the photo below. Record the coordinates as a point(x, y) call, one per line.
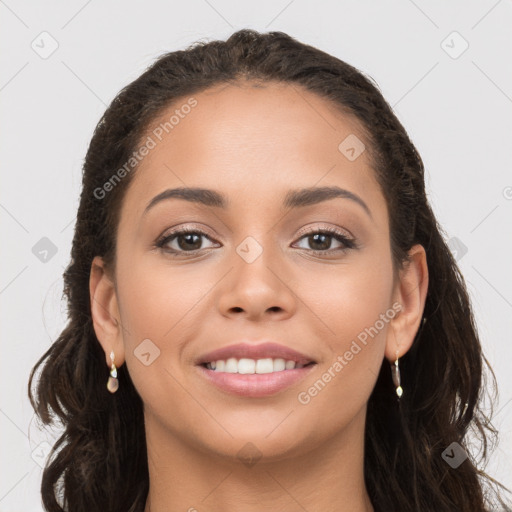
point(253, 144)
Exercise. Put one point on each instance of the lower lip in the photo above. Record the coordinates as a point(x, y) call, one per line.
point(255, 384)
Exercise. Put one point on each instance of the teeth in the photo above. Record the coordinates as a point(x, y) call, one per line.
point(290, 365)
point(231, 366)
point(247, 366)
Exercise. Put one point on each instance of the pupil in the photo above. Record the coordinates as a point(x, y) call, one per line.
point(325, 244)
point(189, 237)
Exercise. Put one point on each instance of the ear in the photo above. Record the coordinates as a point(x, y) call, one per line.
point(410, 292)
point(105, 312)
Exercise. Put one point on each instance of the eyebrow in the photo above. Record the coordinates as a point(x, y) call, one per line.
point(293, 198)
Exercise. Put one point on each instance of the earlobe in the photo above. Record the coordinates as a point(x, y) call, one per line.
point(411, 292)
point(105, 312)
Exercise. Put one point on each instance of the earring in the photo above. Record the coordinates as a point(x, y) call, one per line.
point(113, 383)
point(395, 374)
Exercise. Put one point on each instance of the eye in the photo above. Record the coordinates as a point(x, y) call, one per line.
point(321, 241)
point(187, 240)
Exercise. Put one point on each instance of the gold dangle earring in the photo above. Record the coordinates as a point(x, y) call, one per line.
point(395, 373)
point(113, 383)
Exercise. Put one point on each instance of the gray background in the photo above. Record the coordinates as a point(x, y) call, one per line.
point(454, 102)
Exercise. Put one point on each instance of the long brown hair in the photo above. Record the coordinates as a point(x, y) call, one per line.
point(100, 461)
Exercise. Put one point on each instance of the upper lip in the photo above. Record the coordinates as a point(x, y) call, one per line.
point(251, 351)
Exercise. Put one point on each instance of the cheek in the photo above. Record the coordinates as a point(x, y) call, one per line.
point(352, 306)
point(345, 299)
point(157, 300)
point(160, 307)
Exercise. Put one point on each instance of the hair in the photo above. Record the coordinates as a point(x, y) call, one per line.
point(100, 460)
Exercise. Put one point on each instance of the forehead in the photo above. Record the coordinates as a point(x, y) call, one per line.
point(255, 142)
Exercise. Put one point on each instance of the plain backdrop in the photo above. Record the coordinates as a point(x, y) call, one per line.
point(445, 67)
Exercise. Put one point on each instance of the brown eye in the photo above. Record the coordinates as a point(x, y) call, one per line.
point(185, 240)
point(189, 241)
point(320, 241)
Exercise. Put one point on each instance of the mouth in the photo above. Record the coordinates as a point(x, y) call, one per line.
point(251, 370)
point(246, 366)
point(252, 384)
point(264, 357)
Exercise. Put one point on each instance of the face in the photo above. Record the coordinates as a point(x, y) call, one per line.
point(255, 269)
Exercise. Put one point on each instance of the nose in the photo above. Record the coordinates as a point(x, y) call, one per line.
point(257, 288)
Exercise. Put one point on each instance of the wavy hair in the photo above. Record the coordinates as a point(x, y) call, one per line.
point(99, 463)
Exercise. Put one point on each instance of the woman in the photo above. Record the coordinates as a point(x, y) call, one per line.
point(263, 312)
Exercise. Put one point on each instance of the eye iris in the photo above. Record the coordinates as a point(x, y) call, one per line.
point(189, 237)
point(324, 245)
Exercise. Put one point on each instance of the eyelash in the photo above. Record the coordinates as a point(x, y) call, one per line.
point(333, 232)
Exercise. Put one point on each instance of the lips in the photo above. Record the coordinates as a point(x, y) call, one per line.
point(255, 385)
point(251, 351)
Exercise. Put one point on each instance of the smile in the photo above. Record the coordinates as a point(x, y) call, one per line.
point(250, 383)
point(259, 366)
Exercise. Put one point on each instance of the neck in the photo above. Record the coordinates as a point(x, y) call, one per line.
point(184, 478)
